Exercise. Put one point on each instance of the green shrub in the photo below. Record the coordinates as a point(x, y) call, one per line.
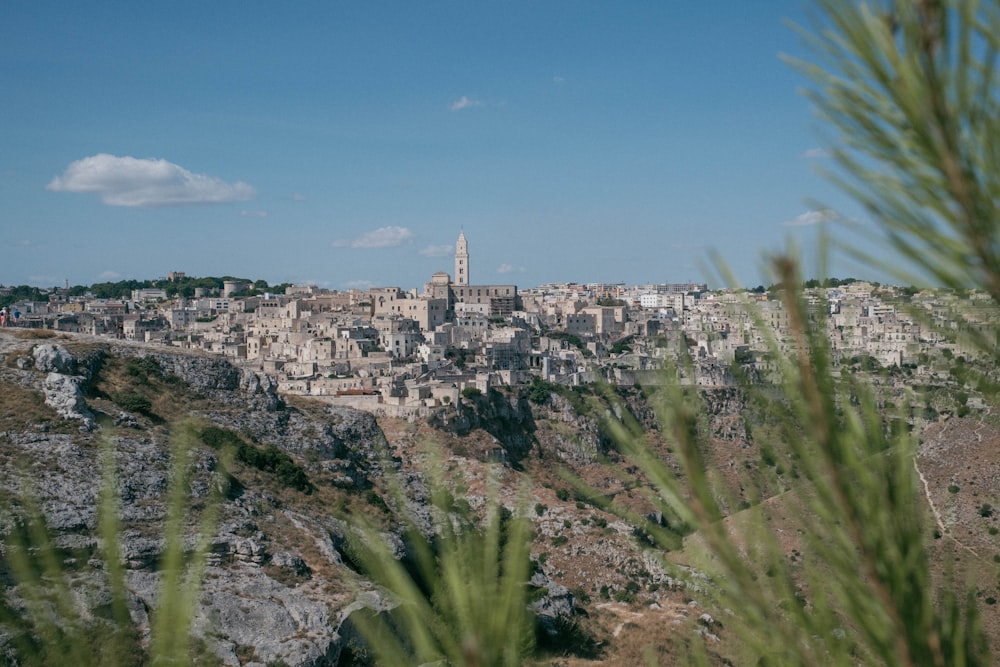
point(539, 390)
point(269, 458)
point(143, 368)
point(132, 401)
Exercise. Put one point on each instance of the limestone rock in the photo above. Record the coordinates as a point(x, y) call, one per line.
point(555, 609)
point(64, 394)
point(53, 358)
point(246, 608)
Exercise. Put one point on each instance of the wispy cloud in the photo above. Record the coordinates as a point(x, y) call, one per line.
point(359, 284)
point(558, 80)
point(255, 214)
point(816, 154)
point(436, 251)
point(383, 237)
point(298, 196)
point(809, 218)
point(109, 276)
point(510, 268)
point(129, 181)
point(465, 103)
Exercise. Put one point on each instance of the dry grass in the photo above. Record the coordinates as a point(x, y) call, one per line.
point(960, 465)
point(25, 409)
point(38, 334)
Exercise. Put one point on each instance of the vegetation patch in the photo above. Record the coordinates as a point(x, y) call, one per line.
point(21, 407)
point(268, 459)
point(133, 401)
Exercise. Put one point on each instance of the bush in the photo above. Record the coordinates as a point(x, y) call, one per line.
point(132, 401)
point(143, 368)
point(539, 390)
point(267, 459)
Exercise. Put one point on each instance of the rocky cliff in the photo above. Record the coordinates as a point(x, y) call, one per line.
point(277, 588)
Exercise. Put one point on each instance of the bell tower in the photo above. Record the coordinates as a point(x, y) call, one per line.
point(461, 260)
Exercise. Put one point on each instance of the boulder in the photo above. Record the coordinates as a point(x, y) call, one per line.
point(554, 610)
point(64, 394)
point(54, 358)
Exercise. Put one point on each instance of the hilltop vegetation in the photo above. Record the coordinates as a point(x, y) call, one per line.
point(122, 289)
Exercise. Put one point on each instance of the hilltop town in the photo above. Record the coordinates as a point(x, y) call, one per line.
point(310, 386)
point(408, 352)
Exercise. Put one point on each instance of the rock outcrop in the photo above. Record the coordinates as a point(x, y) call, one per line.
point(260, 603)
point(63, 388)
point(273, 587)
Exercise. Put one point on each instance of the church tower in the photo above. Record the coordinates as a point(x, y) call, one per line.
point(461, 260)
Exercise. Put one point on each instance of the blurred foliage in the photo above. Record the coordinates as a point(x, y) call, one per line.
point(44, 619)
point(458, 586)
point(908, 88)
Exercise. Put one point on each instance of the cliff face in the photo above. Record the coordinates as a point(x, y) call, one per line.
point(278, 585)
point(61, 405)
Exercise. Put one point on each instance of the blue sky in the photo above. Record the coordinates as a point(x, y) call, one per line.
point(346, 144)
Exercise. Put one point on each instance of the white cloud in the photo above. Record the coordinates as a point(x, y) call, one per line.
point(465, 103)
point(298, 196)
point(436, 251)
point(816, 153)
point(109, 276)
point(359, 284)
point(809, 218)
point(558, 80)
point(255, 214)
point(510, 268)
point(383, 237)
point(129, 181)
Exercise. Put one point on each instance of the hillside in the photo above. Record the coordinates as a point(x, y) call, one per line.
point(279, 582)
